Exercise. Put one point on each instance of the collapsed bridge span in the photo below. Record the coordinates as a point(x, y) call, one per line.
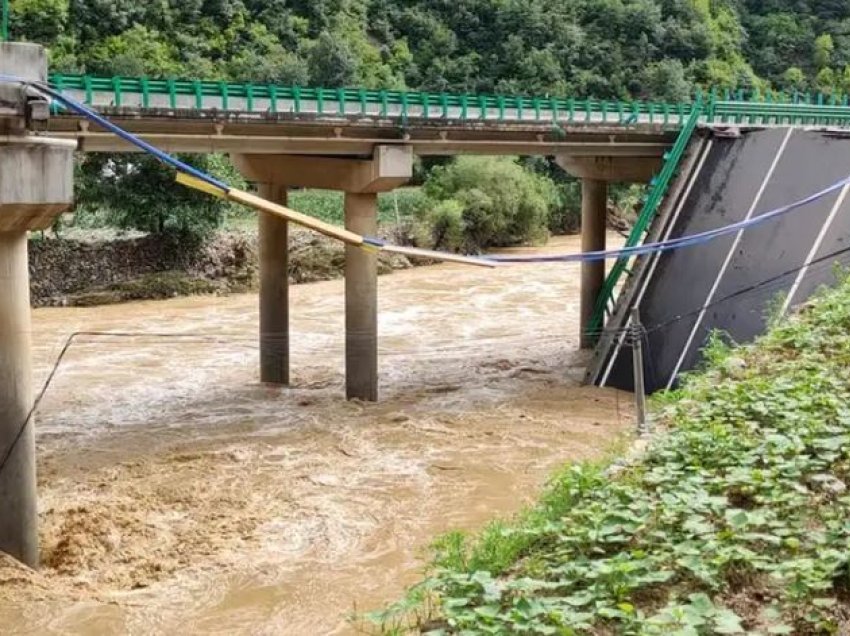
point(731, 284)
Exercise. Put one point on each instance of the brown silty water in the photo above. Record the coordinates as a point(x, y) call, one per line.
point(179, 494)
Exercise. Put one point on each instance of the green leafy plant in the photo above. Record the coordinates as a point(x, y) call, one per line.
point(737, 520)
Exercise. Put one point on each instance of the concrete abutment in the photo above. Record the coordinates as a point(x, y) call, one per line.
point(35, 186)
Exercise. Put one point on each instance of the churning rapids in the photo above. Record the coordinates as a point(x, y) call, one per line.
point(178, 495)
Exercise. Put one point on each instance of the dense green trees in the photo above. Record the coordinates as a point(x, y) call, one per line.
point(135, 192)
point(603, 48)
point(485, 201)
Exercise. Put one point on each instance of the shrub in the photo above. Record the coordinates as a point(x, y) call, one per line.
point(502, 203)
point(444, 225)
point(137, 192)
point(565, 218)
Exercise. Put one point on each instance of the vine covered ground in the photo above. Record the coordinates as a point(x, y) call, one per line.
point(735, 520)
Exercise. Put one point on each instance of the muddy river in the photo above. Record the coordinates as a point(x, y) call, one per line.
point(178, 495)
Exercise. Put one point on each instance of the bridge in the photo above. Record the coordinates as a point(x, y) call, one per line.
point(360, 142)
point(289, 136)
point(363, 142)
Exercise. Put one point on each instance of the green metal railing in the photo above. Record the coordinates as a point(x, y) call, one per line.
point(657, 191)
point(740, 107)
point(269, 98)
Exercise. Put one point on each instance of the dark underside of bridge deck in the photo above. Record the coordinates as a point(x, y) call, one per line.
point(285, 133)
point(732, 283)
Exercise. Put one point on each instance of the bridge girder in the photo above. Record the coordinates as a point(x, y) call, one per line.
point(183, 131)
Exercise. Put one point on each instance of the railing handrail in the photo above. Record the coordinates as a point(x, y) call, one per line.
point(734, 107)
point(430, 104)
point(657, 192)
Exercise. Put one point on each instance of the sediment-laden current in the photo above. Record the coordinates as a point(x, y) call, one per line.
point(178, 495)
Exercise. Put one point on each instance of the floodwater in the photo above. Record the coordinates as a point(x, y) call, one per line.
point(179, 494)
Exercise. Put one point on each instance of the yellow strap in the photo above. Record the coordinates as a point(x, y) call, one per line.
point(258, 203)
point(253, 201)
point(197, 184)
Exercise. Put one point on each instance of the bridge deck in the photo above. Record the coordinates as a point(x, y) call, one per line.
point(230, 131)
point(203, 116)
point(734, 283)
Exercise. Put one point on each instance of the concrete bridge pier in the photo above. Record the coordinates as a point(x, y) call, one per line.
point(360, 180)
point(594, 208)
point(274, 289)
point(595, 174)
point(361, 300)
point(35, 186)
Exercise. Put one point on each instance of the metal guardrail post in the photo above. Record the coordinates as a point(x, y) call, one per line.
point(637, 365)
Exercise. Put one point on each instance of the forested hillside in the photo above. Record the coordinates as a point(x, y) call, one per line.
point(599, 48)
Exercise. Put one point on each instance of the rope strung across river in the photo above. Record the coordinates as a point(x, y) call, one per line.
point(197, 179)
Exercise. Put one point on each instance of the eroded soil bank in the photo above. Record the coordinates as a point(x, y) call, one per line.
point(177, 493)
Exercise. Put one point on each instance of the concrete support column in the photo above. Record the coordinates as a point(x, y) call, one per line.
point(360, 179)
point(36, 185)
point(361, 301)
point(18, 513)
point(594, 202)
point(274, 290)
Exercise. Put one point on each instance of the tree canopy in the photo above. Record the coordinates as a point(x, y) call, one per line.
point(587, 48)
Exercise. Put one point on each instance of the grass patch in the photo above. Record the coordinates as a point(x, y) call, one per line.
point(737, 520)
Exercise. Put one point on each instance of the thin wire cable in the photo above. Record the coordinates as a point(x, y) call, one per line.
point(55, 368)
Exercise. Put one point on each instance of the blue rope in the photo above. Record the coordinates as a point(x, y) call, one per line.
point(677, 243)
point(88, 113)
point(625, 252)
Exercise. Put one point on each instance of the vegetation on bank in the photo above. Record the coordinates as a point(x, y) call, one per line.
point(737, 519)
point(470, 203)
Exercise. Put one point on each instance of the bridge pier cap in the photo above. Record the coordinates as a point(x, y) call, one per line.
point(595, 174)
point(388, 168)
point(35, 187)
point(611, 169)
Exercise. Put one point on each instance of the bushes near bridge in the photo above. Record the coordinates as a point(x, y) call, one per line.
point(136, 192)
point(467, 204)
point(735, 520)
point(485, 202)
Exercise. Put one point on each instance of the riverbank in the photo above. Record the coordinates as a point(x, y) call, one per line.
point(91, 271)
point(736, 520)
